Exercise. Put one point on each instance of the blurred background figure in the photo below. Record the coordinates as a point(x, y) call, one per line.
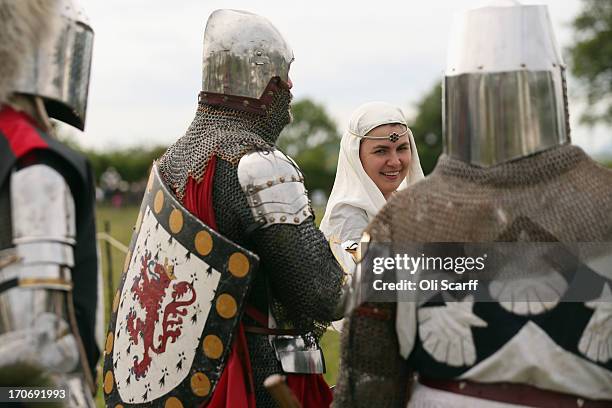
point(378, 156)
point(49, 282)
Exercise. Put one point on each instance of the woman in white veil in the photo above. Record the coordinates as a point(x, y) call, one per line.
point(356, 198)
point(377, 156)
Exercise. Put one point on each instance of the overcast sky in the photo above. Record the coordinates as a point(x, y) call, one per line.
point(146, 72)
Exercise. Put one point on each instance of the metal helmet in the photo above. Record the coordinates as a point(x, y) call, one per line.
point(58, 69)
point(245, 59)
point(504, 86)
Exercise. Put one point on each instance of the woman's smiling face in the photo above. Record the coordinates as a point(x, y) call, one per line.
point(384, 161)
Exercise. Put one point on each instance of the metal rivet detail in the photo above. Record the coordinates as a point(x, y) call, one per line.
point(283, 218)
point(176, 221)
point(109, 343)
point(200, 384)
point(173, 402)
point(269, 183)
point(296, 220)
point(158, 203)
point(282, 179)
point(226, 306)
point(292, 178)
point(238, 265)
point(255, 202)
point(109, 382)
point(203, 242)
point(304, 212)
point(212, 346)
point(259, 212)
point(271, 219)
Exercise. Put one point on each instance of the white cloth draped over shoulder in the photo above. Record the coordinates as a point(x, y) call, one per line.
point(355, 200)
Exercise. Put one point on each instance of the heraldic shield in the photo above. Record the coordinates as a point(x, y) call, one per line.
point(180, 299)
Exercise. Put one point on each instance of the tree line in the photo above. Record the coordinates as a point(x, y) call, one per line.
point(313, 140)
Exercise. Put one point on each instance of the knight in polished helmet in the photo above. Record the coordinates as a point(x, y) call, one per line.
point(49, 279)
point(508, 175)
point(240, 201)
point(228, 171)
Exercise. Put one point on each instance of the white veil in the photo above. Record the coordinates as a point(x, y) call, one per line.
point(353, 189)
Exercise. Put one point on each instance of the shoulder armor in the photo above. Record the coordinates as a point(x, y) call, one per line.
point(274, 186)
point(42, 206)
point(44, 226)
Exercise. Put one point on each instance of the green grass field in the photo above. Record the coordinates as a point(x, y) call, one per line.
point(121, 222)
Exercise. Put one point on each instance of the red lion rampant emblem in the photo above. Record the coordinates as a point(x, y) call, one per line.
point(149, 288)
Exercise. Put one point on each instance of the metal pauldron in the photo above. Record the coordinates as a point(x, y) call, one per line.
point(274, 187)
point(44, 229)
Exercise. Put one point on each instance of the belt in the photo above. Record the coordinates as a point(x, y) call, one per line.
point(273, 332)
point(511, 393)
point(372, 312)
point(262, 319)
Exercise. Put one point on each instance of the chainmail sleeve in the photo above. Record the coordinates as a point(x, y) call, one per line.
point(296, 268)
point(372, 372)
point(304, 276)
point(302, 273)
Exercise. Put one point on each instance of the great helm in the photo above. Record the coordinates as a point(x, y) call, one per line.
point(504, 87)
point(58, 70)
point(245, 59)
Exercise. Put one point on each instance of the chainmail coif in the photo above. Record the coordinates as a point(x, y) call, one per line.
point(225, 132)
point(561, 189)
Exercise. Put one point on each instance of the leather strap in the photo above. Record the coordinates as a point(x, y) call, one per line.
point(262, 319)
point(273, 332)
point(373, 312)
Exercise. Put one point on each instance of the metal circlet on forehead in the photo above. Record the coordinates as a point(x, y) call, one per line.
point(393, 136)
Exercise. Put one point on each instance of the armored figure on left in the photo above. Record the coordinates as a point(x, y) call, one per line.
point(49, 279)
